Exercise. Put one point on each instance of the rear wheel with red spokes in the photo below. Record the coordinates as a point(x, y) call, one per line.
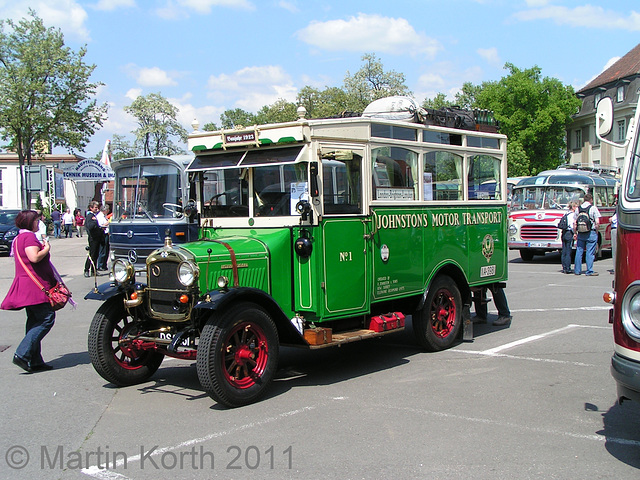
point(438, 322)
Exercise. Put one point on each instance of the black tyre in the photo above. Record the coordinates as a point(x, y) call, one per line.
point(526, 255)
point(437, 323)
point(238, 355)
point(117, 363)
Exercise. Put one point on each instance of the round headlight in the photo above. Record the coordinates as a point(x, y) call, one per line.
point(187, 273)
point(513, 229)
point(122, 271)
point(630, 312)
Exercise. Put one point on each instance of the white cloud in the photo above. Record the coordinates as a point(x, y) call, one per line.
point(110, 5)
point(151, 76)
point(67, 15)
point(583, 16)
point(180, 9)
point(369, 33)
point(252, 87)
point(133, 93)
point(491, 56)
point(288, 5)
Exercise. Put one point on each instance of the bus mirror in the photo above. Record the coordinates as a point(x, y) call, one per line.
point(313, 186)
point(604, 116)
point(190, 208)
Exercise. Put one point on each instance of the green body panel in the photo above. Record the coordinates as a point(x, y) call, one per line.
point(263, 257)
point(358, 261)
point(417, 243)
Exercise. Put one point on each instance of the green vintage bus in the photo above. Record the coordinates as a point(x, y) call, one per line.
point(313, 233)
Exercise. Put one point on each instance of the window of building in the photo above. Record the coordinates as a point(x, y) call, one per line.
point(578, 138)
point(596, 139)
point(622, 131)
point(596, 99)
point(1, 192)
point(620, 94)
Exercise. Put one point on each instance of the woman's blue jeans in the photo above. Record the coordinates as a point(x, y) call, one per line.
point(40, 319)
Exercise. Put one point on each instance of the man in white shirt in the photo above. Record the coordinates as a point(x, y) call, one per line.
point(101, 217)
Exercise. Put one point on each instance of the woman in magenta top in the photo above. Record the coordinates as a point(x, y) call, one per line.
point(24, 293)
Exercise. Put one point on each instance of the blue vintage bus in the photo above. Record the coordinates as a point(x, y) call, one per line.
point(151, 197)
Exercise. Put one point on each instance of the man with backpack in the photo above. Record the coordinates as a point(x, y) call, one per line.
point(566, 226)
point(586, 225)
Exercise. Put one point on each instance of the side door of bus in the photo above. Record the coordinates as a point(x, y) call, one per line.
point(346, 261)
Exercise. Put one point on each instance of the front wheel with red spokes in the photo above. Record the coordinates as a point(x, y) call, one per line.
point(114, 358)
point(238, 354)
point(438, 322)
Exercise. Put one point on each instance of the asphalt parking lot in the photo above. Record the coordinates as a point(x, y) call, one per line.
point(535, 400)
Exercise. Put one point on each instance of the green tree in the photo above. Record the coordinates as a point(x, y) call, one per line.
point(439, 101)
point(45, 92)
point(158, 125)
point(279, 111)
point(534, 112)
point(237, 117)
point(466, 98)
point(330, 102)
point(518, 164)
point(121, 148)
point(371, 83)
point(210, 127)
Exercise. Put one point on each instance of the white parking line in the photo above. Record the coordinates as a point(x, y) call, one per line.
point(495, 351)
point(598, 438)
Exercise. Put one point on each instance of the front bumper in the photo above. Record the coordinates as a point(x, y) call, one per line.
point(627, 376)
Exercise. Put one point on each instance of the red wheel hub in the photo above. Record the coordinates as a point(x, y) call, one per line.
point(443, 313)
point(245, 355)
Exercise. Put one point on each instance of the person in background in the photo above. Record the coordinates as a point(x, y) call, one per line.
point(567, 237)
point(79, 222)
point(56, 217)
point(42, 228)
point(500, 299)
point(104, 248)
point(68, 220)
point(587, 242)
point(24, 293)
point(96, 237)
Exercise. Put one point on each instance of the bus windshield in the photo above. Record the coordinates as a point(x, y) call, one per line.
point(148, 191)
point(275, 190)
point(633, 182)
point(536, 197)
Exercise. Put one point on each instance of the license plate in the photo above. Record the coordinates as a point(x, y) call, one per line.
point(537, 244)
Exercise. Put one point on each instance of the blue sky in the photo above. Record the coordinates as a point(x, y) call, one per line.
point(207, 56)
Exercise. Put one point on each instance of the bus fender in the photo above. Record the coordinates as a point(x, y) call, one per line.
point(217, 300)
point(107, 290)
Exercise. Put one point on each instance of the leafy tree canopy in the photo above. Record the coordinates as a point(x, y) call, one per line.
point(533, 112)
point(158, 125)
point(371, 83)
point(46, 98)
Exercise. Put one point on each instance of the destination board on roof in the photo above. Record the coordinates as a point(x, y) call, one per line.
point(240, 137)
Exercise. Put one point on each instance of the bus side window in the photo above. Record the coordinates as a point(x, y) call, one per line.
point(484, 177)
point(341, 182)
point(442, 176)
point(394, 171)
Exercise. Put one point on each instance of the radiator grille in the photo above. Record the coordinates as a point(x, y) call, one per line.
point(539, 232)
point(165, 289)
